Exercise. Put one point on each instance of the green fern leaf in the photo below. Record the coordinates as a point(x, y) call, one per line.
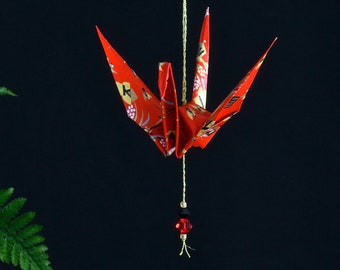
point(29, 231)
point(20, 242)
point(5, 91)
point(11, 210)
point(21, 221)
point(6, 244)
point(34, 240)
point(15, 254)
point(5, 194)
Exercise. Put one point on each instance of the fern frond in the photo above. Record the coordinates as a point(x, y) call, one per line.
point(21, 221)
point(5, 91)
point(20, 242)
point(29, 231)
point(34, 240)
point(5, 194)
point(9, 211)
point(5, 244)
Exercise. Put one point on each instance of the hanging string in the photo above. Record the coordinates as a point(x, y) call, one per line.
point(184, 86)
point(183, 202)
point(184, 224)
point(184, 38)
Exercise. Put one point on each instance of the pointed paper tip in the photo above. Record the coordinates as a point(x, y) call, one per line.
point(98, 30)
point(207, 11)
point(271, 45)
point(101, 36)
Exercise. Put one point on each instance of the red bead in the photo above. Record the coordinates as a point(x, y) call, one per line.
point(183, 225)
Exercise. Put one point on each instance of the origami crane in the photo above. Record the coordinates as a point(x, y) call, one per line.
point(176, 128)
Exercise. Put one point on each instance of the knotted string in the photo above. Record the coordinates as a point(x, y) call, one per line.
point(185, 246)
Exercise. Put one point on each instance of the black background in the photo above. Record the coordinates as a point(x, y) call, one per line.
point(262, 194)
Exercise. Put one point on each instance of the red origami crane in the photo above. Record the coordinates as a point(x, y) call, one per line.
point(176, 128)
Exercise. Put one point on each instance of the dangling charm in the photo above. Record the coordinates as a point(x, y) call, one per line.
point(184, 226)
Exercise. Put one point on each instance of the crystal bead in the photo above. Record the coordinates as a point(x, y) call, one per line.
point(183, 225)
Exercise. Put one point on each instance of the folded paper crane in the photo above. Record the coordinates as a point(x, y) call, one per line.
point(176, 128)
